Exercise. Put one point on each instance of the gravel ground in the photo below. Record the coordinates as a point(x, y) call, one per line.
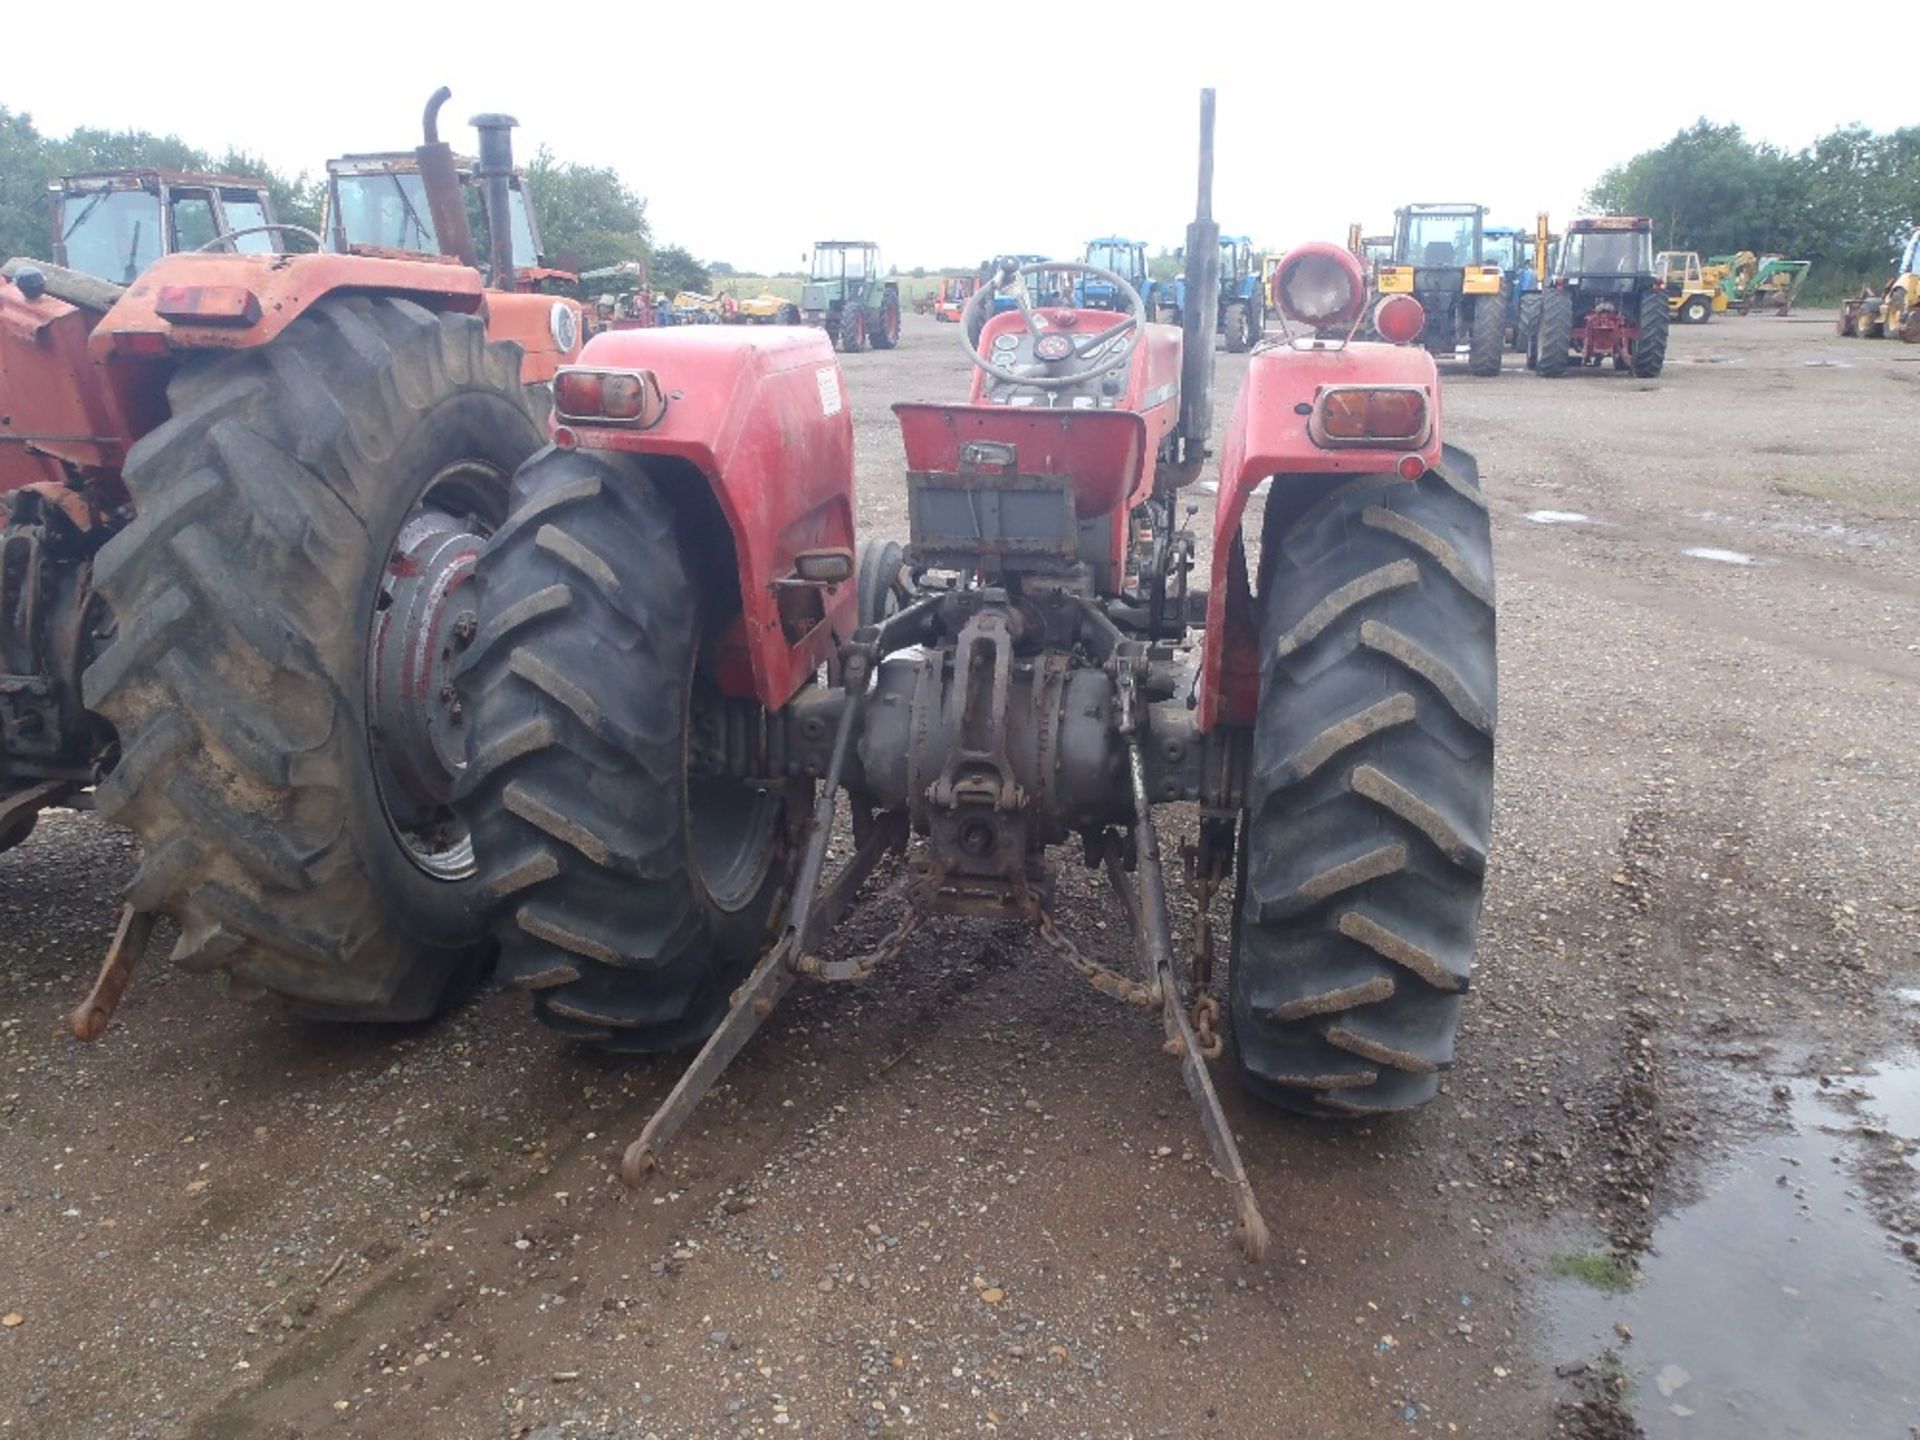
point(971, 1198)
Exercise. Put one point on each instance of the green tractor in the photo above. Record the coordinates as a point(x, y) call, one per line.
point(846, 296)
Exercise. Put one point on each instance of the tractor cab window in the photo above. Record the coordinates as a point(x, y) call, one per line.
point(386, 209)
point(243, 210)
point(1501, 250)
point(1608, 252)
point(114, 234)
point(1233, 259)
point(194, 224)
point(853, 264)
point(526, 251)
point(1439, 240)
point(1123, 260)
point(1910, 261)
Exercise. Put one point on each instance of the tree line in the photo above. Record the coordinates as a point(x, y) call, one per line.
point(1847, 202)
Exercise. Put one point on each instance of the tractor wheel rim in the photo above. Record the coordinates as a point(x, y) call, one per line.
point(732, 827)
point(423, 618)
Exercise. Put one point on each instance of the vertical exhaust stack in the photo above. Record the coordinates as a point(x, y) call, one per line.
point(1202, 313)
point(440, 178)
point(496, 180)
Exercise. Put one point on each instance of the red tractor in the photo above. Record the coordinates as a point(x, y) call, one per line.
point(950, 300)
point(244, 494)
point(683, 656)
point(1603, 301)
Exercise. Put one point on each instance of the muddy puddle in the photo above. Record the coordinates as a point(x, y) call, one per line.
point(1780, 1304)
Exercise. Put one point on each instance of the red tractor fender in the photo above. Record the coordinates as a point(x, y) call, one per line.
point(760, 415)
point(1268, 437)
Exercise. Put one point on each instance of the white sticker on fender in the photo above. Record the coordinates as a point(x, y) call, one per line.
point(829, 379)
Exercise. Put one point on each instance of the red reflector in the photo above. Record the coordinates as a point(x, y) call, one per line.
point(1411, 467)
point(1343, 414)
point(1363, 414)
point(578, 392)
point(207, 305)
point(564, 438)
point(1395, 413)
point(622, 397)
point(1399, 319)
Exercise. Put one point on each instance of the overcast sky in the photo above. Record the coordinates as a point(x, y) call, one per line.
point(948, 132)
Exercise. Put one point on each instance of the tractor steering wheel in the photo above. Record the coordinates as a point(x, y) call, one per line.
point(225, 236)
point(1069, 361)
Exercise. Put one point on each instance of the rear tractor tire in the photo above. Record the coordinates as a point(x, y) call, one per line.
point(1239, 327)
point(292, 588)
point(1527, 328)
point(888, 334)
point(851, 336)
point(1650, 349)
point(1488, 342)
point(1554, 337)
point(633, 892)
point(1363, 852)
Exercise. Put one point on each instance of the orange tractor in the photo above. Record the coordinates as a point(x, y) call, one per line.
point(683, 655)
point(950, 300)
point(245, 492)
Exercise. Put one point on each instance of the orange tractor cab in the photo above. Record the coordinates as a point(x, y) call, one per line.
point(952, 296)
point(113, 224)
point(378, 205)
point(688, 666)
point(244, 493)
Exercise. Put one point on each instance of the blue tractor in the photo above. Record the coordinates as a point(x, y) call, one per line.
point(1047, 290)
point(1126, 258)
point(1243, 304)
point(1511, 248)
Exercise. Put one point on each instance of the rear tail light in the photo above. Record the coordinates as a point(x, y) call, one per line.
point(1399, 319)
point(1370, 415)
point(207, 305)
point(608, 397)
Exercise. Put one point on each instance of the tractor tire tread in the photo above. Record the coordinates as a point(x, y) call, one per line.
point(227, 680)
point(1364, 847)
point(1650, 349)
point(576, 689)
point(1487, 344)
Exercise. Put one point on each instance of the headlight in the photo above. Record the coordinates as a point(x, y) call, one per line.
point(1319, 285)
point(564, 326)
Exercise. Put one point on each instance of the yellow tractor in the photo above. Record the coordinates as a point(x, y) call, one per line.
point(1895, 310)
point(1691, 298)
point(767, 308)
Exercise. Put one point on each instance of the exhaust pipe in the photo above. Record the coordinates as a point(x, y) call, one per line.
point(496, 181)
point(1202, 314)
point(440, 178)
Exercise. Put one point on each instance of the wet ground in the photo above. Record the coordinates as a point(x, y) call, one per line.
point(1670, 1188)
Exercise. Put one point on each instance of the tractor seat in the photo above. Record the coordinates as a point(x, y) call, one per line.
point(1100, 452)
point(1439, 256)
